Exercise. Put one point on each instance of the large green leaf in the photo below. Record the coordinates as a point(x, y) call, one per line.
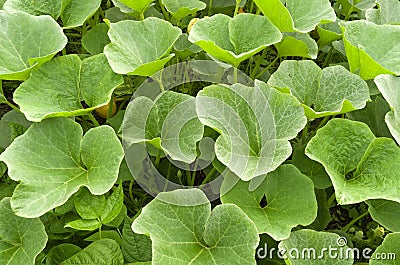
point(388, 12)
point(295, 15)
point(360, 166)
point(234, 40)
point(37, 8)
point(297, 44)
point(24, 44)
point(60, 85)
point(184, 235)
point(140, 47)
point(386, 213)
point(21, 240)
point(255, 125)
point(50, 175)
point(101, 252)
point(169, 123)
point(389, 86)
point(325, 92)
point(312, 248)
point(367, 54)
point(75, 12)
point(182, 8)
point(287, 193)
point(389, 252)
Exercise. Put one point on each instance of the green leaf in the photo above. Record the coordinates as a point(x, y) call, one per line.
point(388, 85)
point(21, 240)
point(182, 8)
point(319, 242)
point(140, 47)
point(84, 224)
point(113, 206)
point(8, 123)
point(256, 124)
point(135, 247)
point(198, 235)
point(61, 252)
point(169, 123)
point(2, 97)
point(58, 87)
point(75, 12)
point(24, 46)
point(324, 214)
point(287, 193)
point(360, 166)
point(386, 213)
point(138, 5)
point(36, 8)
point(89, 206)
point(102, 252)
point(390, 246)
point(184, 48)
point(388, 12)
point(234, 40)
point(361, 39)
point(96, 39)
point(297, 44)
point(330, 91)
point(51, 175)
point(294, 15)
point(111, 234)
point(328, 33)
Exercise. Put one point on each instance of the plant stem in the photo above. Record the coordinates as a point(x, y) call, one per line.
point(158, 157)
point(304, 133)
point(208, 176)
point(237, 7)
point(267, 68)
point(130, 190)
point(12, 106)
point(328, 58)
point(110, 107)
point(351, 9)
point(331, 200)
point(209, 7)
point(93, 119)
point(355, 220)
point(235, 75)
point(258, 62)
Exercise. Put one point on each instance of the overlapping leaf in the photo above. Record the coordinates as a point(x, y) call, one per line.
point(386, 213)
point(389, 86)
point(37, 8)
point(137, 5)
point(21, 239)
point(182, 8)
point(325, 92)
point(294, 15)
point(234, 40)
point(367, 54)
point(297, 44)
point(50, 175)
point(388, 12)
point(312, 248)
point(199, 236)
point(169, 123)
point(255, 125)
point(360, 166)
point(59, 86)
point(75, 12)
point(140, 47)
point(287, 192)
point(27, 41)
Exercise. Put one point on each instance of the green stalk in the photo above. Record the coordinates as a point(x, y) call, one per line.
point(12, 106)
point(208, 176)
point(110, 107)
point(258, 62)
point(209, 7)
point(93, 119)
point(355, 220)
point(267, 68)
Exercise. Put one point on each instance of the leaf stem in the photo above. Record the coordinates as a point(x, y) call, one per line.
point(331, 200)
point(208, 176)
point(355, 220)
point(131, 191)
point(267, 68)
point(12, 105)
point(158, 157)
point(328, 58)
point(93, 119)
point(209, 7)
point(258, 62)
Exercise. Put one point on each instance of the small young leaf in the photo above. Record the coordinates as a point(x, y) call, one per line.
point(199, 236)
point(21, 54)
point(287, 192)
point(21, 239)
point(51, 175)
point(297, 44)
point(321, 92)
point(234, 40)
point(182, 8)
point(138, 5)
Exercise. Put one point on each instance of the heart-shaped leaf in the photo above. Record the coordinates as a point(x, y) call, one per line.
point(294, 15)
point(36, 8)
point(234, 40)
point(49, 176)
point(386, 213)
point(75, 12)
point(390, 249)
point(96, 39)
point(360, 166)
point(389, 86)
point(287, 193)
point(140, 47)
point(388, 12)
point(23, 44)
point(169, 123)
point(325, 92)
point(182, 8)
point(60, 85)
point(21, 239)
point(256, 124)
point(101, 252)
point(297, 44)
point(312, 248)
point(199, 236)
point(361, 39)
